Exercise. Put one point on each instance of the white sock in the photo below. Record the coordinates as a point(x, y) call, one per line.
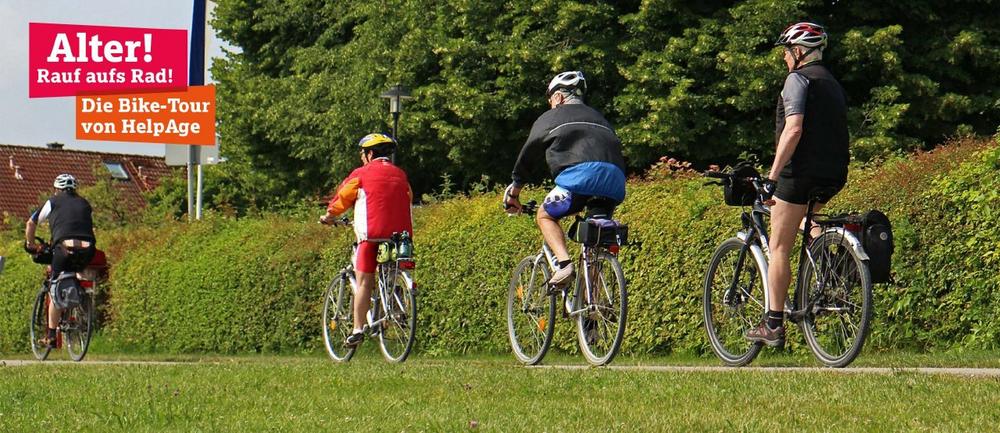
point(357, 331)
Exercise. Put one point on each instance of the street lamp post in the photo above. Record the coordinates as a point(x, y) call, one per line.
point(396, 94)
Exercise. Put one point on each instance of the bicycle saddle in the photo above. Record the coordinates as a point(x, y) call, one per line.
point(822, 194)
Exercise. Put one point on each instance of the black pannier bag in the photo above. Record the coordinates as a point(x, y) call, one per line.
point(738, 191)
point(65, 291)
point(599, 231)
point(876, 236)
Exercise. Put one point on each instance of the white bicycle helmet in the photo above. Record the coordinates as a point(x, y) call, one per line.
point(65, 181)
point(571, 80)
point(808, 35)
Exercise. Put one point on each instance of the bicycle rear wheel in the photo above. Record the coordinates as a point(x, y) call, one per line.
point(38, 324)
point(733, 302)
point(338, 317)
point(836, 289)
point(601, 324)
point(398, 305)
point(78, 327)
point(531, 310)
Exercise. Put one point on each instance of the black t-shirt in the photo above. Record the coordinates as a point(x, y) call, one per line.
point(69, 215)
point(822, 152)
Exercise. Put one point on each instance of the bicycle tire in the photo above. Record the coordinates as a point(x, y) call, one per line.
point(594, 325)
point(530, 307)
point(830, 252)
point(38, 324)
point(401, 317)
point(338, 317)
point(729, 342)
point(79, 327)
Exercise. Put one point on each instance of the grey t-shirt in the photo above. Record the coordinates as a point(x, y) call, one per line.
point(793, 95)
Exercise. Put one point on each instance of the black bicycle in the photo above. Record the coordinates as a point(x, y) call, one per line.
point(832, 303)
point(597, 302)
point(76, 324)
point(392, 315)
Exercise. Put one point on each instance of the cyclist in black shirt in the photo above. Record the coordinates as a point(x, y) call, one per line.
point(812, 152)
point(585, 157)
point(73, 241)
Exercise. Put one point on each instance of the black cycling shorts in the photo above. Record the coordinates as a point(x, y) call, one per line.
point(797, 190)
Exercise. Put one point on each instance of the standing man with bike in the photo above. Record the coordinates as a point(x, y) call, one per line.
point(73, 240)
point(812, 154)
point(585, 157)
point(381, 196)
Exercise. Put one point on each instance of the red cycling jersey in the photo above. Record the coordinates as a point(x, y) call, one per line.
point(381, 196)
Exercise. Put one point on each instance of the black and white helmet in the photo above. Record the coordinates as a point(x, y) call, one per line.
point(572, 81)
point(65, 181)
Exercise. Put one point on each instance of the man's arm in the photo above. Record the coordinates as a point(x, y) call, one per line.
point(793, 97)
point(787, 143)
point(534, 143)
point(344, 198)
point(37, 217)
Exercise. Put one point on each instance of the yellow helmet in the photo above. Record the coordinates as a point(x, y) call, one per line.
point(372, 140)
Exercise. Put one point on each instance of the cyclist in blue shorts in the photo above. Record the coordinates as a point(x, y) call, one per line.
point(585, 157)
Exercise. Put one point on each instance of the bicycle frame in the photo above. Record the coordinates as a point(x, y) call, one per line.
point(586, 255)
point(386, 274)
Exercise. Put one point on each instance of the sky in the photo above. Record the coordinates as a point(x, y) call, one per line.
point(34, 122)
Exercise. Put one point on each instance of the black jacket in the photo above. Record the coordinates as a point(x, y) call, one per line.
point(570, 134)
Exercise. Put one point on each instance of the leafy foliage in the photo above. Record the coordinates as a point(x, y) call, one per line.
point(697, 81)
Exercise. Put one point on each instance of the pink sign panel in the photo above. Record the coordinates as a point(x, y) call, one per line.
point(69, 59)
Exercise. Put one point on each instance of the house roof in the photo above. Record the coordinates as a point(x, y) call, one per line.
point(26, 175)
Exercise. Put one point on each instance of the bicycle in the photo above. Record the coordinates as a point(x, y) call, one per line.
point(832, 302)
point(392, 315)
point(76, 324)
point(600, 311)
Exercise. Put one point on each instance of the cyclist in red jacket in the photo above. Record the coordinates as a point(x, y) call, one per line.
point(381, 197)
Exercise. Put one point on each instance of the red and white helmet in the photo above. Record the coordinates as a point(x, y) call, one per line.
point(806, 34)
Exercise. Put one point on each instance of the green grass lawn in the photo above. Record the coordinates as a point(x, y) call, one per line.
point(310, 393)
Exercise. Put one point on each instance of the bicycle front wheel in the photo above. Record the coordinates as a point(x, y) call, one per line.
point(531, 310)
point(38, 325)
point(78, 325)
point(733, 301)
point(835, 289)
point(602, 309)
point(399, 310)
point(338, 317)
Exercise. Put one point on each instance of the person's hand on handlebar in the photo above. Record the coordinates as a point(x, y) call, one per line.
point(32, 248)
point(328, 219)
point(767, 188)
point(511, 203)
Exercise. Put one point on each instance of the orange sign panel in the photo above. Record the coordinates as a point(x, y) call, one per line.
point(186, 117)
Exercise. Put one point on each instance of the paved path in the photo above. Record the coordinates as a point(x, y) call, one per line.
point(960, 371)
point(973, 372)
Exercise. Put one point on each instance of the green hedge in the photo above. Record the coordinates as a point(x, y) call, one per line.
point(19, 284)
point(255, 285)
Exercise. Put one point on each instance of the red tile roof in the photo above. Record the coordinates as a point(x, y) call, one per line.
point(26, 175)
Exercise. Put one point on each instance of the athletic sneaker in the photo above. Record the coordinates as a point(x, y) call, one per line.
point(354, 339)
point(46, 342)
point(764, 334)
point(563, 276)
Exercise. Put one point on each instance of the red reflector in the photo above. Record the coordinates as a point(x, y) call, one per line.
point(86, 284)
point(853, 228)
point(613, 249)
point(407, 265)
